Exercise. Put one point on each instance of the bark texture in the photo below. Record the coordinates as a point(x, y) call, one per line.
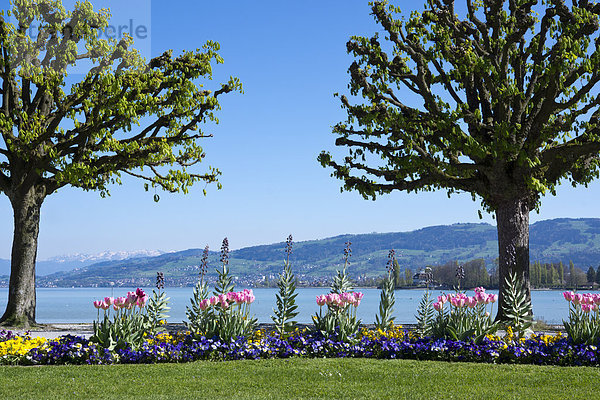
point(20, 310)
point(513, 245)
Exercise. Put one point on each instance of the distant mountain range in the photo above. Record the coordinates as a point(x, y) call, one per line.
point(70, 262)
point(550, 241)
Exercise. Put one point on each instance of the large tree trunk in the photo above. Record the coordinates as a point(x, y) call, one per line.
point(513, 246)
point(20, 310)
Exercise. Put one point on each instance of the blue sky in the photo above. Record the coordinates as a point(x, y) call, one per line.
point(291, 58)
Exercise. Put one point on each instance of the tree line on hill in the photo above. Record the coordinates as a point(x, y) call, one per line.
point(475, 273)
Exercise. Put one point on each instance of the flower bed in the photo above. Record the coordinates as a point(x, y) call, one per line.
point(394, 344)
point(221, 327)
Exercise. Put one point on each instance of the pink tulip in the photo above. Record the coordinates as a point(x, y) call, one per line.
point(454, 300)
point(357, 298)
point(471, 302)
point(348, 299)
point(481, 297)
point(334, 300)
point(438, 306)
point(120, 302)
point(239, 298)
point(109, 300)
point(97, 303)
point(249, 296)
point(578, 298)
point(204, 304)
point(140, 292)
point(442, 299)
point(223, 301)
point(329, 299)
point(321, 300)
point(131, 298)
point(493, 298)
point(104, 305)
point(569, 296)
point(141, 301)
point(479, 290)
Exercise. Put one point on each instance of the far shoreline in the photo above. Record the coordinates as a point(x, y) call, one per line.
point(441, 289)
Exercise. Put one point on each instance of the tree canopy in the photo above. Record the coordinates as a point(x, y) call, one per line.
point(505, 108)
point(87, 134)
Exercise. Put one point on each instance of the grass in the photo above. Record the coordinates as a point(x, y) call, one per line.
point(301, 378)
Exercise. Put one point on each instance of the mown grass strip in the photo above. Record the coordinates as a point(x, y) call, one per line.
point(302, 378)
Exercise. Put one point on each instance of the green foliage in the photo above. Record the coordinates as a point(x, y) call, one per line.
point(71, 136)
point(220, 316)
point(384, 320)
point(224, 317)
point(464, 319)
point(517, 309)
point(408, 276)
point(479, 95)
point(197, 321)
point(398, 281)
point(156, 312)
point(583, 326)
point(228, 324)
point(341, 282)
point(224, 282)
point(424, 315)
point(128, 325)
point(286, 298)
point(340, 320)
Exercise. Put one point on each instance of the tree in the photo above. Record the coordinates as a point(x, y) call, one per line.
point(505, 109)
point(125, 116)
point(534, 274)
point(597, 280)
point(591, 274)
point(408, 277)
point(561, 274)
point(398, 281)
point(553, 275)
point(572, 274)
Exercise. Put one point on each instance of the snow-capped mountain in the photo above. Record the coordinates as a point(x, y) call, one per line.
point(70, 262)
point(104, 256)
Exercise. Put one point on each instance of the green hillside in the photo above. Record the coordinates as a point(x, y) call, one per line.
point(550, 241)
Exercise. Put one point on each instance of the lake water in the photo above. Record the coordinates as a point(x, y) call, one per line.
point(73, 305)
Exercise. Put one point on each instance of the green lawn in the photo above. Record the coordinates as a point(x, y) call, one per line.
point(302, 378)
